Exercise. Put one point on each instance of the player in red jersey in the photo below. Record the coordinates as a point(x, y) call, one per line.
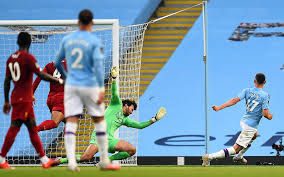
point(55, 100)
point(20, 67)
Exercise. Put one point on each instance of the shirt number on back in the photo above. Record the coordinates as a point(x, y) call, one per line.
point(254, 104)
point(57, 74)
point(15, 71)
point(77, 63)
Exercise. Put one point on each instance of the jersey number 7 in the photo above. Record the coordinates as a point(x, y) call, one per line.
point(250, 107)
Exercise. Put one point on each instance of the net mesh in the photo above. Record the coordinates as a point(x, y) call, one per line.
point(45, 43)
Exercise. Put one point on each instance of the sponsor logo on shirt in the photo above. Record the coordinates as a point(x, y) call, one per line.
point(119, 117)
point(15, 55)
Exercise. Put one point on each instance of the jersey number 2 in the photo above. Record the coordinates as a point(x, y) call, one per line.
point(15, 71)
point(77, 63)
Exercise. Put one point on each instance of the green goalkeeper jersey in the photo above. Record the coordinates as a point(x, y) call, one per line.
point(114, 115)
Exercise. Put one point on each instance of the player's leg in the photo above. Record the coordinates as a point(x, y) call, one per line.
point(125, 149)
point(102, 142)
point(242, 142)
point(90, 98)
point(240, 156)
point(70, 141)
point(73, 108)
point(91, 150)
point(8, 142)
point(220, 154)
point(56, 118)
point(101, 139)
point(35, 140)
point(56, 105)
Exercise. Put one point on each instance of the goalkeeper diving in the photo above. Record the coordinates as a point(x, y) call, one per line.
point(116, 115)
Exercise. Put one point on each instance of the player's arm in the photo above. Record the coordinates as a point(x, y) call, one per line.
point(58, 60)
point(50, 78)
point(232, 101)
point(98, 64)
point(266, 114)
point(37, 80)
point(7, 85)
point(140, 125)
point(229, 103)
point(33, 65)
point(265, 108)
point(114, 92)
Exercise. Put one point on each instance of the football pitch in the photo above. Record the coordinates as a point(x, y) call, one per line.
point(151, 171)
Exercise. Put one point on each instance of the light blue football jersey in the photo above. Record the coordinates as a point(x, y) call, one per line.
point(84, 57)
point(256, 101)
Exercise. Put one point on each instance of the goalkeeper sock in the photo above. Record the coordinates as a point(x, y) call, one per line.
point(9, 140)
point(65, 160)
point(70, 142)
point(119, 156)
point(101, 138)
point(223, 153)
point(46, 125)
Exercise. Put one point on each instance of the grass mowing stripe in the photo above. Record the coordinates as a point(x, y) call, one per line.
point(151, 171)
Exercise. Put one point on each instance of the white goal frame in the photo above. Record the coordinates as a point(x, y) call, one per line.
point(113, 22)
point(115, 28)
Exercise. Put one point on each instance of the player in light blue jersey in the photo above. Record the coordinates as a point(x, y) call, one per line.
point(257, 105)
point(84, 87)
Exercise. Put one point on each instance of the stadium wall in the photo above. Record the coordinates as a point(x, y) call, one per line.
point(171, 160)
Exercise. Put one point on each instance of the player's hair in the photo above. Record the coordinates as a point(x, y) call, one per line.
point(24, 40)
point(260, 78)
point(129, 103)
point(85, 16)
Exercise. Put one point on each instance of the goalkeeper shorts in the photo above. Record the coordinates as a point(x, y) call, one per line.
point(111, 143)
point(246, 135)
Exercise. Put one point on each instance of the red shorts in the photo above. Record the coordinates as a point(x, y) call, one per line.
point(22, 111)
point(56, 102)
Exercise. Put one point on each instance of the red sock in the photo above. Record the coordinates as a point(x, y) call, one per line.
point(46, 125)
point(9, 140)
point(36, 141)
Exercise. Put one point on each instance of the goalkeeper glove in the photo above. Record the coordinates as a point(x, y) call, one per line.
point(114, 72)
point(160, 114)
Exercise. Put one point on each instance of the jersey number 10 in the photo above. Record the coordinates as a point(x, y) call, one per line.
point(15, 71)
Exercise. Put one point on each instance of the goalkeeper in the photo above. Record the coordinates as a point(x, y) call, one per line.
point(116, 115)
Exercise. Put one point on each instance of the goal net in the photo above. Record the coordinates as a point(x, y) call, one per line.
point(122, 47)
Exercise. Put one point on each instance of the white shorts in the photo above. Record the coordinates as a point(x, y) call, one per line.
point(246, 135)
point(76, 97)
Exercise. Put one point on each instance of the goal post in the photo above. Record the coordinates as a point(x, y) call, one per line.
point(122, 47)
point(112, 22)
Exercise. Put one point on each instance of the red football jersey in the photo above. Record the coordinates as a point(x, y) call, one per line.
point(54, 87)
point(20, 66)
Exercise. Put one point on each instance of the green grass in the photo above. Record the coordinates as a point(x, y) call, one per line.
point(151, 171)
